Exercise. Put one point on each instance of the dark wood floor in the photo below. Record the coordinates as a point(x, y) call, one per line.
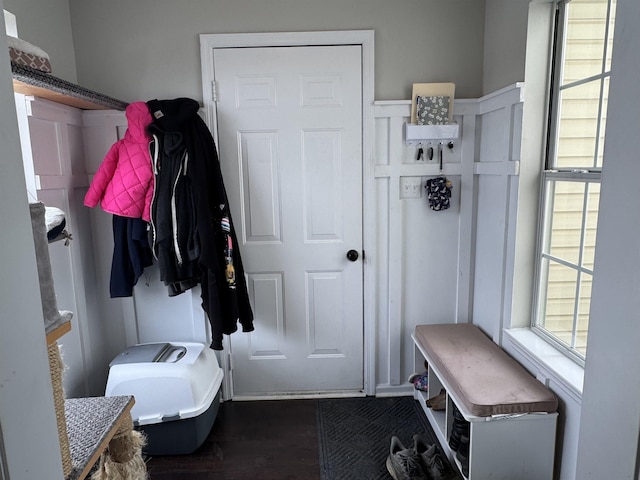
point(265, 440)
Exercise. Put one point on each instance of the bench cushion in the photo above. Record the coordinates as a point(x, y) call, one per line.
point(482, 376)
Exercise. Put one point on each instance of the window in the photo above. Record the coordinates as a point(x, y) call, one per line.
point(571, 178)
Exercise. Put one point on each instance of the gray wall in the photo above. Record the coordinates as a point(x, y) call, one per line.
point(505, 36)
point(27, 415)
point(150, 49)
point(46, 23)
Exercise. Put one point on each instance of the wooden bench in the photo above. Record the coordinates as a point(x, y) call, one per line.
point(512, 415)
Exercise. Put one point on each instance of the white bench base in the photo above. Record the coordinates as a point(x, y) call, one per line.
point(501, 447)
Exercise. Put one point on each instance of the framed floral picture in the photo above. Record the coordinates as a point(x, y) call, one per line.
point(429, 93)
point(432, 109)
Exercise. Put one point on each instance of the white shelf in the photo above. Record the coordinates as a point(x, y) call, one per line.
point(438, 418)
point(415, 134)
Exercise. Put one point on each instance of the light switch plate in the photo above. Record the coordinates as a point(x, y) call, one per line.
point(410, 187)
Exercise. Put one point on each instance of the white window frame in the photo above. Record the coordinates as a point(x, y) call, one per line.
point(552, 174)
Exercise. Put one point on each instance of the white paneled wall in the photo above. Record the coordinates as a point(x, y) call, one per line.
point(500, 126)
point(416, 248)
point(150, 315)
point(63, 147)
point(52, 145)
point(423, 266)
point(442, 266)
point(101, 130)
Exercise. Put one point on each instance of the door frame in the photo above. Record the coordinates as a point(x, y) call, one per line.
point(365, 39)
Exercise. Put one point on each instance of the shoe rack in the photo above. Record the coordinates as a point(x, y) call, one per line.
point(503, 447)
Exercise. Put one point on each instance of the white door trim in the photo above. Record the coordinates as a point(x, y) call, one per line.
point(364, 38)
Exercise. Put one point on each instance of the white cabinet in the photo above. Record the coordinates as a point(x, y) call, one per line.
point(505, 447)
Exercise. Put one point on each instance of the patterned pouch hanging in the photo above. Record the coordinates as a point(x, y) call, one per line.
point(438, 193)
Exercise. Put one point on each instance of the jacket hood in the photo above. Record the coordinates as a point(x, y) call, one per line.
point(138, 118)
point(169, 115)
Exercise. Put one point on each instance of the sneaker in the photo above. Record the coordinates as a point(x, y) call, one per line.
point(404, 463)
point(435, 465)
point(423, 449)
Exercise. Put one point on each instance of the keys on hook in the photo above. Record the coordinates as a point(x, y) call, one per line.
point(429, 154)
point(420, 154)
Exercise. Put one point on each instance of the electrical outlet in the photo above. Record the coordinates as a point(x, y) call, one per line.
point(410, 187)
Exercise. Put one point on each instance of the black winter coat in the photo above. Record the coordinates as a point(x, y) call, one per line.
point(194, 238)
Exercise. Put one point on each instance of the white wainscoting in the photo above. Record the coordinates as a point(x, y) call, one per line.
point(423, 266)
point(443, 266)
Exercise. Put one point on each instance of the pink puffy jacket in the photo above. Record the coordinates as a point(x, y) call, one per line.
point(123, 184)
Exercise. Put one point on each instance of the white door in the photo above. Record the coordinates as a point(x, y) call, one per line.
point(290, 143)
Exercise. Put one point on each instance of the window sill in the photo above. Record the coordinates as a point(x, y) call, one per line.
point(550, 361)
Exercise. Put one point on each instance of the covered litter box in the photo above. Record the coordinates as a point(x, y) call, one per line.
point(177, 393)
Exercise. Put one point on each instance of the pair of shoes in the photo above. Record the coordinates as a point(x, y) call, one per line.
point(433, 464)
point(460, 427)
point(420, 381)
point(422, 462)
point(463, 454)
point(439, 402)
point(404, 463)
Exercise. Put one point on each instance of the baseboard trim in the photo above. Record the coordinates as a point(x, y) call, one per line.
point(394, 390)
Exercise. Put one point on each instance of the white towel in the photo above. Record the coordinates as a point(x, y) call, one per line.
point(26, 47)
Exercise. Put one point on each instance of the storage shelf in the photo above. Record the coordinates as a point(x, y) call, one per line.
point(30, 81)
point(415, 134)
point(492, 451)
point(435, 418)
